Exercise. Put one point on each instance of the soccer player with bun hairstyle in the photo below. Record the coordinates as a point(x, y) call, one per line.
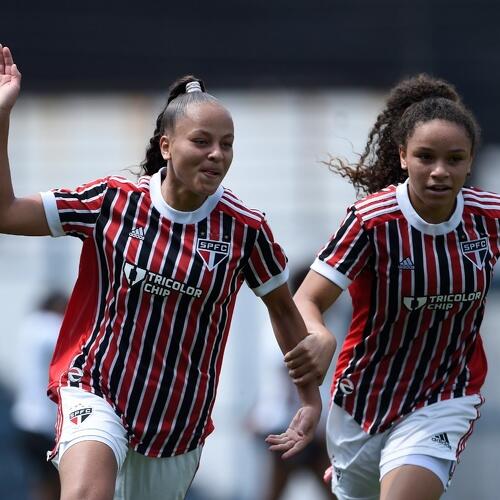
point(417, 254)
point(138, 358)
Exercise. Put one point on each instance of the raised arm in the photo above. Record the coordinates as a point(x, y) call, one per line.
point(289, 330)
point(24, 216)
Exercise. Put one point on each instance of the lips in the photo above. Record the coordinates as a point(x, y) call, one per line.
point(211, 172)
point(439, 189)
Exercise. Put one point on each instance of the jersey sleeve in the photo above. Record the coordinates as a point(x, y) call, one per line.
point(346, 253)
point(266, 268)
point(74, 212)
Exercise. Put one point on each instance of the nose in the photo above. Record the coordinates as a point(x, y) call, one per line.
point(439, 170)
point(215, 154)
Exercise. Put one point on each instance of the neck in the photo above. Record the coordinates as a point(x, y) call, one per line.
point(181, 199)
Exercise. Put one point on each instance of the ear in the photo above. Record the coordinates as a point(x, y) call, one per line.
point(165, 147)
point(402, 157)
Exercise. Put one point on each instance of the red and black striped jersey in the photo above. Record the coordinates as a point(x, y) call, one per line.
point(149, 316)
point(418, 292)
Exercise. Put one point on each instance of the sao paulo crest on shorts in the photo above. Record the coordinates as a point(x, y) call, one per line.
point(475, 250)
point(213, 252)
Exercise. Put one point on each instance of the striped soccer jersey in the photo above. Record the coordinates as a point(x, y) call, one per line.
point(149, 316)
point(418, 292)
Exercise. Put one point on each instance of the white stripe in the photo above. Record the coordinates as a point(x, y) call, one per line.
point(52, 214)
point(239, 210)
point(378, 213)
point(331, 274)
point(272, 284)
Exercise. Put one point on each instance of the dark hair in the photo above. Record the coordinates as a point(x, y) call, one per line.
point(412, 101)
point(177, 102)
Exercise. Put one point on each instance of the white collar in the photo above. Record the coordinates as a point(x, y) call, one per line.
point(177, 215)
point(418, 223)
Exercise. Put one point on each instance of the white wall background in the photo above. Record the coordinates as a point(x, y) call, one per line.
point(281, 137)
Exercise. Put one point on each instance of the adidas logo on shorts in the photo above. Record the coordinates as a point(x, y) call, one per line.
point(442, 439)
point(137, 232)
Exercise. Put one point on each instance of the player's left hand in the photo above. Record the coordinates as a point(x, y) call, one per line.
point(310, 359)
point(299, 433)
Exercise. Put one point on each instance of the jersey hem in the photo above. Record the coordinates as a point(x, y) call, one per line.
point(327, 271)
point(52, 214)
point(272, 284)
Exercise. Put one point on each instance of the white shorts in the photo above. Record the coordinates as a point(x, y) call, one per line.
point(431, 437)
point(83, 416)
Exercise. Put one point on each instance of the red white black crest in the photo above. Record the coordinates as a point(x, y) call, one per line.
point(80, 415)
point(213, 252)
point(475, 251)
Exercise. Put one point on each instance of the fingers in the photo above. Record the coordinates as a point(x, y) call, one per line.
point(7, 56)
point(298, 351)
point(7, 66)
point(298, 447)
point(289, 443)
point(327, 476)
point(298, 361)
point(15, 72)
point(306, 378)
point(304, 373)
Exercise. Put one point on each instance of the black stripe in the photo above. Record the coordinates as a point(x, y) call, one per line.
point(151, 330)
point(127, 225)
point(267, 253)
point(86, 195)
point(250, 242)
point(211, 390)
point(178, 332)
point(101, 222)
point(435, 329)
point(385, 335)
point(78, 217)
point(471, 340)
point(343, 229)
point(408, 335)
point(359, 349)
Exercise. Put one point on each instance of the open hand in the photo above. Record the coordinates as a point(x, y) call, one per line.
point(10, 80)
point(299, 433)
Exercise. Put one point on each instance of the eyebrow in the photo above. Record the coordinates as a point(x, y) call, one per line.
point(425, 148)
point(203, 131)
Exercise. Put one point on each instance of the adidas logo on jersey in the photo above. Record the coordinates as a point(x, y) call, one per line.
point(407, 264)
point(442, 439)
point(137, 232)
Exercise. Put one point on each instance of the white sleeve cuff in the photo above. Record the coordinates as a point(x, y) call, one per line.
point(52, 214)
point(272, 284)
point(339, 279)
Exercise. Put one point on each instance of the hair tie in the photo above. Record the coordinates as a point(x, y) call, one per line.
point(193, 87)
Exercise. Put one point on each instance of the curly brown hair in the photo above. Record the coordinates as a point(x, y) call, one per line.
point(412, 101)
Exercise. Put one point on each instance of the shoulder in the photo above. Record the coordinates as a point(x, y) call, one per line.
point(123, 184)
point(480, 201)
point(230, 204)
point(377, 207)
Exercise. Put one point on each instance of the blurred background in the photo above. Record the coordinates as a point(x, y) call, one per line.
point(303, 79)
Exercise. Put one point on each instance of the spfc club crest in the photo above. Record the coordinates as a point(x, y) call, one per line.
point(475, 251)
point(80, 415)
point(213, 252)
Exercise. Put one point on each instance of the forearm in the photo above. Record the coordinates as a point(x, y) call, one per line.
point(289, 329)
point(6, 190)
point(309, 394)
point(288, 326)
point(312, 316)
